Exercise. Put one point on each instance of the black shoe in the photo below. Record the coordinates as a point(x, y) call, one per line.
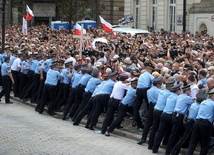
point(86, 127)
point(154, 151)
point(36, 109)
point(141, 142)
point(75, 124)
point(119, 126)
point(40, 111)
point(63, 117)
point(9, 102)
point(107, 134)
point(91, 128)
point(51, 113)
point(24, 100)
point(149, 147)
point(134, 123)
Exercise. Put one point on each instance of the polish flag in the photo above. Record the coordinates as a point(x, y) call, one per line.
point(77, 30)
point(29, 13)
point(106, 26)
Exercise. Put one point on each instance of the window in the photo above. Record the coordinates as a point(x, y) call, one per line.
point(172, 8)
point(137, 13)
point(154, 14)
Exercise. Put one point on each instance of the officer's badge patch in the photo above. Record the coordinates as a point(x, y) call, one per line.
point(45, 64)
point(8, 68)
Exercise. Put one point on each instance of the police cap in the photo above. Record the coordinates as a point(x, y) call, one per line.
point(123, 77)
point(169, 83)
point(95, 72)
point(112, 74)
point(176, 87)
point(200, 96)
point(149, 66)
point(186, 87)
point(157, 80)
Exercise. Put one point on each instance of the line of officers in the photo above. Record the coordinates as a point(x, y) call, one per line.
point(81, 90)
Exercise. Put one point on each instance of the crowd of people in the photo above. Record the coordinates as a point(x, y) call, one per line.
point(169, 77)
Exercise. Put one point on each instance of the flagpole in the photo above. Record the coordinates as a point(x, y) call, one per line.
point(3, 24)
point(81, 41)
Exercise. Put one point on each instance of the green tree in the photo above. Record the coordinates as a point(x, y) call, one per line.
point(75, 10)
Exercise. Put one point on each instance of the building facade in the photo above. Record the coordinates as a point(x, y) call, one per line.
point(168, 14)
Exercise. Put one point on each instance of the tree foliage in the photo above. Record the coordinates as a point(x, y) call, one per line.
point(75, 10)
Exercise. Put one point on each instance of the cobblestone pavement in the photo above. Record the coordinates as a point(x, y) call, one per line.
point(25, 132)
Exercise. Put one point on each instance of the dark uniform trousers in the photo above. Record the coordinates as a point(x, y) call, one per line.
point(201, 132)
point(112, 108)
point(155, 124)
point(121, 114)
point(93, 103)
point(187, 133)
point(40, 91)
point(164, 128)
point(86, 97)
point(141, 95)
point(36, 81)
point(65, 94)
point(49, 94)
point(23, 80)
point(177, 128)
point(26, 92)
point(149, 121)
point(78, 99)
point(6, 82)
point(101, 104)
point(87, 109)
point(16, 83)
point(60, 87)
point(69, 102)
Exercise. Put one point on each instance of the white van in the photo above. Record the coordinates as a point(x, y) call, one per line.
point(132, 31)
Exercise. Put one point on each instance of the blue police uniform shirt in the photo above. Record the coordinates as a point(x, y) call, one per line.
point(12, 59)
point(5, 69)
point(46, 65)
point(38, 66)
point(76, 78)
point(1, 58)
point(206, 110)
point(193, 110)
point(145, 80)
point(152, 94)
point(52, 77)
point(34, 64)
point(183, 103)
point(72, 79)
point(84, 80)
point(107, 87)
point(25, 64)
point(66, 79)
point(170, 103)
point(162, 97)
point(92, 84)
point(98, 88)
point(130, 97)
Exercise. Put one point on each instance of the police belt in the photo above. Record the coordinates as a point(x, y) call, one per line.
point(81, 86)
point(178, 114)
point(113, 99)
point(143, 88)
point(203, 120)
point(190, 120)
point(50, 85)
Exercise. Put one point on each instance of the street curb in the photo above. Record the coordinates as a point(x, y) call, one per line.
point(58, 115)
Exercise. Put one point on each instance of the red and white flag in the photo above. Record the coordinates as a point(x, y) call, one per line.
point(29, 13)
point(77, 30)
point(106, 26)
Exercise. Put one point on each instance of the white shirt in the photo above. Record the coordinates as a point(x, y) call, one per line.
point(194, 90)
point(119, 90)
point(71, 59)
point(16, 64)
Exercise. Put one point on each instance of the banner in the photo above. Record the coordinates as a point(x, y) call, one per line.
point(24, 26)
point(126, 19)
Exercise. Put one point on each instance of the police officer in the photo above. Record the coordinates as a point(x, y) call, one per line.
point(116, 96)
point(125, 106)
point(193, 112)
point(79, 91)
point(144, 83)
point(90, 87)
point(67, 75)
point(165, 125)
point(74, 81)
point(183, 103)
point(89, 106)
point(203, 125)
point(102, 98)
point(50, 87)
point(6, 80)
point(158, 109)
point(152, 95)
